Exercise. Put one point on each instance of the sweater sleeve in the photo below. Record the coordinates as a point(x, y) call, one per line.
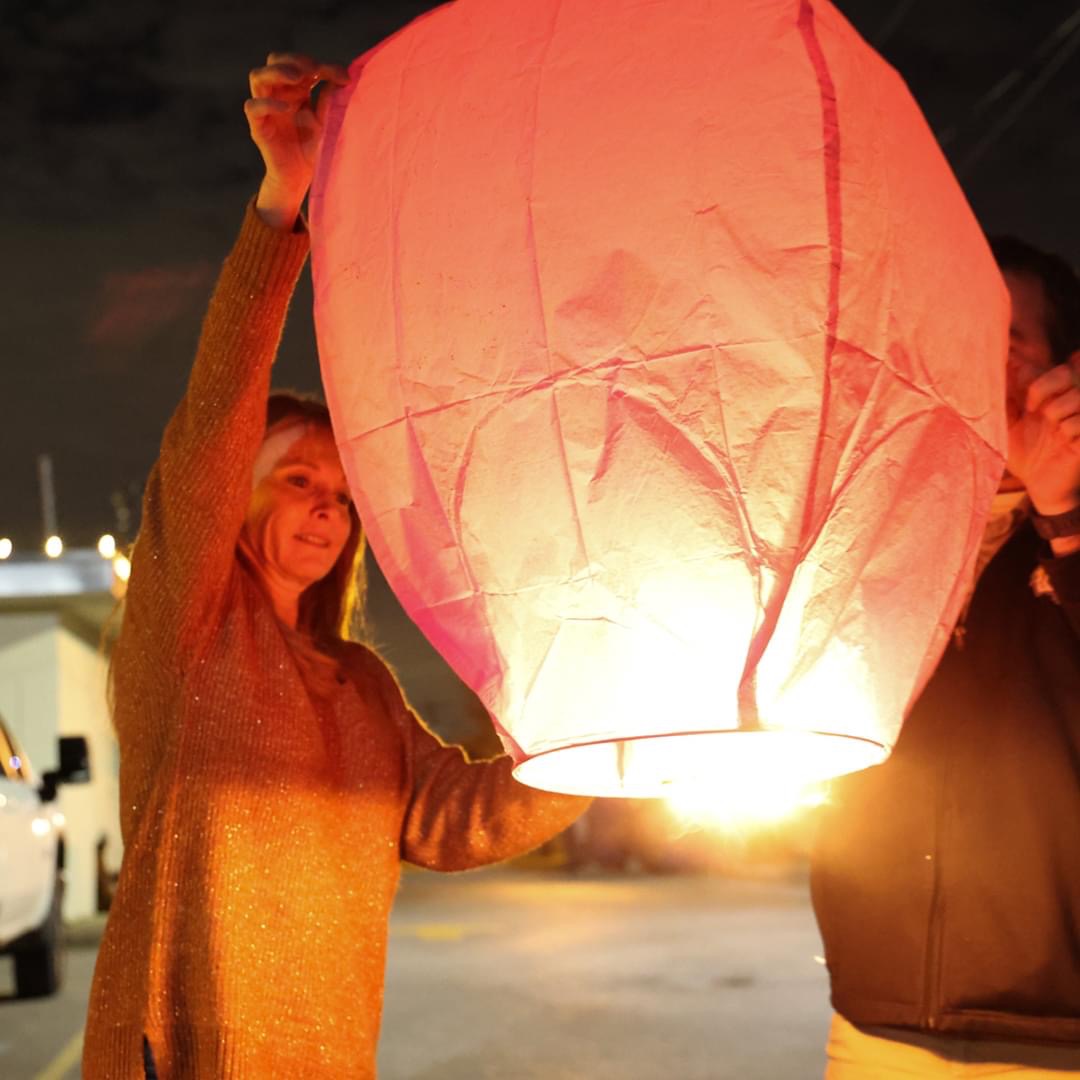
point(198, 491)
point(463, 814)
point(1064, 574)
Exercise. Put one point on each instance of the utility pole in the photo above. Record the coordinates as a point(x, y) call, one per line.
point(121, 514)
point(48, 495)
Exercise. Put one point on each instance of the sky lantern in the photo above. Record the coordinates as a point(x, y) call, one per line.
point(666, 360)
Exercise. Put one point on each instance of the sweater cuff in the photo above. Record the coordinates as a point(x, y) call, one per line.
point(1064, 574)
point(269, 260)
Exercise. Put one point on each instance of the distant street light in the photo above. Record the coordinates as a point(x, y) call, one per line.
point(54, 547)
point(122, 567)
point(107, 546)
point(5, 547)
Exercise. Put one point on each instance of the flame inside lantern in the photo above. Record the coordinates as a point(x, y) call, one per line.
point(741, 803)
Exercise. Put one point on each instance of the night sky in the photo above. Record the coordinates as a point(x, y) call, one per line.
point(127, 165)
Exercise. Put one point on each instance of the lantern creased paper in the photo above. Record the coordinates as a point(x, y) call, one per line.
point(666, 360)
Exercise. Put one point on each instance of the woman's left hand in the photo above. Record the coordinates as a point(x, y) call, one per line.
point(287, 126)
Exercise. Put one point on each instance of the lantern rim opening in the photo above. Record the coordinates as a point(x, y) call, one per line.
point(653, 766)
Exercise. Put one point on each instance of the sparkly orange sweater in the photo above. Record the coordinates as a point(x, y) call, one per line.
point(264, 825)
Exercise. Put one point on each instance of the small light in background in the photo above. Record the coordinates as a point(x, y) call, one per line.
point(107, 546)
point(41, 826)
point(121, 567)
point(54, 547)
point(6, 547)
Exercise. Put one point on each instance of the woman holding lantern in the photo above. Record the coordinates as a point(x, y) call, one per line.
point(272, 777)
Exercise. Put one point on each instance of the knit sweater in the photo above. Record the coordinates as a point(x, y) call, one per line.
point(264, 825)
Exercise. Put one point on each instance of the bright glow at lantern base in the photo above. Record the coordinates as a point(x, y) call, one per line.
point(639, 697)
point(744, 802)
point(721, 762)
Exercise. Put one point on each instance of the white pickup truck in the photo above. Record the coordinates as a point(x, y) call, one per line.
point(32, 862)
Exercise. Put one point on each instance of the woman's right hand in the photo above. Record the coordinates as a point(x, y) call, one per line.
point(287, 128)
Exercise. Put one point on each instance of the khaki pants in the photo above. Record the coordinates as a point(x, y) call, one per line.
point(895, 1054)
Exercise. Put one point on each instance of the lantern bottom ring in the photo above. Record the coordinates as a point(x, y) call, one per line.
point(654, 766)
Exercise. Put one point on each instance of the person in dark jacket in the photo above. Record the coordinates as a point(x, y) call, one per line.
point(946, 881)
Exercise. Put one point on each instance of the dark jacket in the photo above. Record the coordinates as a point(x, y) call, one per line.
point(946, 881)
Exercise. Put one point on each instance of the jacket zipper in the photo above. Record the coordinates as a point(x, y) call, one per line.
point(935, 930)
point(932, 974)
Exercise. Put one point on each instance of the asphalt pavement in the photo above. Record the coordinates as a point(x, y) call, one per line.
point(511, 975)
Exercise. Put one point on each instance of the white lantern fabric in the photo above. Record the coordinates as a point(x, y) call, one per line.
point(666, 361)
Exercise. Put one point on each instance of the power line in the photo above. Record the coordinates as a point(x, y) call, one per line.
point(892, 23)
point(1056, 39)
point(1065, 50)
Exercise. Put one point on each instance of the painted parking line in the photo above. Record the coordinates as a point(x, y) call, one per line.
point(437, 931)
point(65, 1061)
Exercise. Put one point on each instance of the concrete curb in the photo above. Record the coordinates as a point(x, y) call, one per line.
point(85, 933)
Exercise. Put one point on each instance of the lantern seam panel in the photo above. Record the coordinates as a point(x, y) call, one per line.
point(534, 262)
point(831, 161)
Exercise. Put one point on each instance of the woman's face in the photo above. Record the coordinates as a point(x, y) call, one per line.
point(298, 519)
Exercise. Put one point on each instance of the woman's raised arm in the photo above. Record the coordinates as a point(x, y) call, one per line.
point(198, 491)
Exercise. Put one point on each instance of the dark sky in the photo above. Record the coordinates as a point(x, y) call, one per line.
point(127, 164)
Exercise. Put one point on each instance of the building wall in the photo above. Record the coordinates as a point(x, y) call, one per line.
point(28, 683)
point(51, 684)
point(92, 810)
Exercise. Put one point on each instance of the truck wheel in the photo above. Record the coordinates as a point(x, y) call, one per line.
point(39, 961)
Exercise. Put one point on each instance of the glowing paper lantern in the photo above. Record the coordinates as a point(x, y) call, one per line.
point(666, 360)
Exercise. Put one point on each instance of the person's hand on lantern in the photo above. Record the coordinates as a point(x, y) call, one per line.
point(1044, 442)
point(286, 125)
point(1044, 445)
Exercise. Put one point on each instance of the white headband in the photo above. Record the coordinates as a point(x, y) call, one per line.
point(273, 449)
